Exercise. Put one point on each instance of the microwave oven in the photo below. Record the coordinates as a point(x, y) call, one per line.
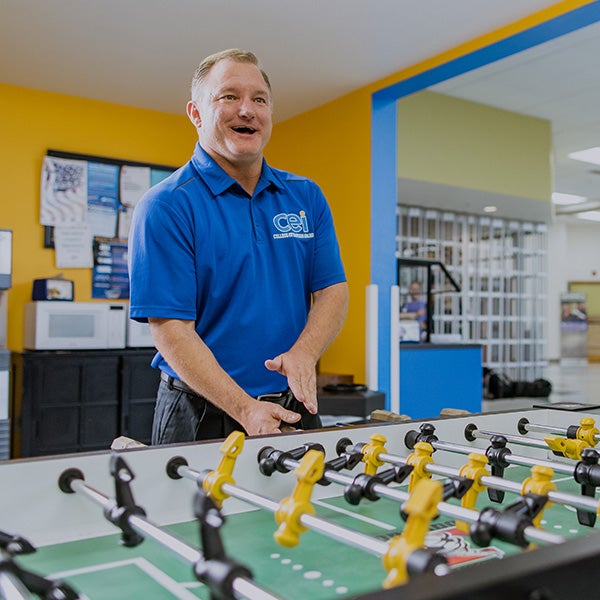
point(53, 325)
point(138, 335)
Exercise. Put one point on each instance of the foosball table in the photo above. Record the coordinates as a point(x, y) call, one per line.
point(493, 506)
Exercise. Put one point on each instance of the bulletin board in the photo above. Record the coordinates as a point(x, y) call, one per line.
point(86, 205)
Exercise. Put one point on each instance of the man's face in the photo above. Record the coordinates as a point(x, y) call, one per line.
point(414, 289)
point(235, 113)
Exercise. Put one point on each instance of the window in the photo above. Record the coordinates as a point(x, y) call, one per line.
point(500, 266)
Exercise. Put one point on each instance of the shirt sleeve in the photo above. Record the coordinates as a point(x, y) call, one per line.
point(161, 261)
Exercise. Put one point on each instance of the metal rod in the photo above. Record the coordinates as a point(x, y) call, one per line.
point(584, 502)
point(451, 447)
point(517, 439)
point(552, 429)
point(175, 544)
point(471, 516)
point(451, 510)
point(545, 429)
point(498, 483)
point(143, 525)
point(244, 587)
point(332, 530)
point(515, 459)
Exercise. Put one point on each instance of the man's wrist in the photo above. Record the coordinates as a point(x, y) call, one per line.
point(245, 408)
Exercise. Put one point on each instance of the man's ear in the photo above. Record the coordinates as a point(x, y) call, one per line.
point(193, 113)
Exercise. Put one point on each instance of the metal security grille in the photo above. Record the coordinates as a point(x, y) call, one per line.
point(500, 266)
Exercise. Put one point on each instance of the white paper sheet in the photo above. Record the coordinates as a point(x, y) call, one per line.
point(73, 247)
point(134, 183)
point(63, 191)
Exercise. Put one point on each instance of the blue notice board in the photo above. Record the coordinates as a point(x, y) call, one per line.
point(438, 376)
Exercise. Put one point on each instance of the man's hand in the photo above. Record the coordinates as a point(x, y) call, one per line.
point(266, 418)
point(325, 320)
point(300, 372)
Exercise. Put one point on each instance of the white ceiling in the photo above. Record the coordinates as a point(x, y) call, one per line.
point(143, 53)
point(557, 81)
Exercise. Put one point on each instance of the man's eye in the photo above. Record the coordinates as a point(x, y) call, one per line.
point(261, 100)
point(229, 97)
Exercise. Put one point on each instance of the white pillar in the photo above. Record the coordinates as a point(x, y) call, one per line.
point(395, 349)
point(372, 336)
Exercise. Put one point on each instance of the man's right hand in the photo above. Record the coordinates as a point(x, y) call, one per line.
point(263, 418)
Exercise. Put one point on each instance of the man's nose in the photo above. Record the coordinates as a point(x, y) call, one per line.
point(247, 107)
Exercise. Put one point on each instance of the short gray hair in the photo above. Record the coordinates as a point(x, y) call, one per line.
point(209, 62)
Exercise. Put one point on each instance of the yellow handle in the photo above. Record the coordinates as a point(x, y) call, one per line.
point(539, 483)
point(418, 459)
point(475, 469)
point(371, 453)
point(587, 431)
point(291, 509)
point(214, 481)
point(569, 448)
point(421, 508)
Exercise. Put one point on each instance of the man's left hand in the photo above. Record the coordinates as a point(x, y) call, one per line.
point(301, 376)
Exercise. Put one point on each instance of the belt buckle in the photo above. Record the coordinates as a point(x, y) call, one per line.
point(275, 396)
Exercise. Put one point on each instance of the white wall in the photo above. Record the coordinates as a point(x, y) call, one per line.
point(573, 255)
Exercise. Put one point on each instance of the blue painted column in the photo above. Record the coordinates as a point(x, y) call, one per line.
point(384, 196)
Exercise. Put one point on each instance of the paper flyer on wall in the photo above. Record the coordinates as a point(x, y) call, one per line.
point(63, 191)
point(110, 278)
point(102, 198)
point(573, 328)
point(125, 214)
point(134, 183)
point(573, 311)
point(73, 247)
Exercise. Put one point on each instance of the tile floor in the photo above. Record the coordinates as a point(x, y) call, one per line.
point(570, 383)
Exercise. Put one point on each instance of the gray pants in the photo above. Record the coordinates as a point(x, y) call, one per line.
point(184, 416)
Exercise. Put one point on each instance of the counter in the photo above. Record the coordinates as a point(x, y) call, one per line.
point(438, 376)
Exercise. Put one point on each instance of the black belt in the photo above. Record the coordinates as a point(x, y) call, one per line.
point(181, 386)
point(177, 384)
point(280, 397)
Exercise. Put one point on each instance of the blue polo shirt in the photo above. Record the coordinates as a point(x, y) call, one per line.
point(242, 267)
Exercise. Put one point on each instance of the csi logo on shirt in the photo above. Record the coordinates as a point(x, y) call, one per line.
point(291, 225)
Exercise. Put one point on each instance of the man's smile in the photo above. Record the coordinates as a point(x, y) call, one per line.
point(244, 129)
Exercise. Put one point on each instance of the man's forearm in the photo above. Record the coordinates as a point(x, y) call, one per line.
point(325, 320)
point(195, 364)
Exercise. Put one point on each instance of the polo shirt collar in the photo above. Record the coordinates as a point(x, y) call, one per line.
point(218, 181)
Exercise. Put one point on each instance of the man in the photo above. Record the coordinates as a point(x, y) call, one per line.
point(416, 305)
point(236, 267)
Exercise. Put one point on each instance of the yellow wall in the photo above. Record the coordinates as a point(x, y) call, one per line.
point(464, 144)
point(32, 122)
point(591, 289)
point(331, 144)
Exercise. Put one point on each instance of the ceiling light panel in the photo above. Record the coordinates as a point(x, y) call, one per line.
point(563, 199)
point(591, 155)
point(589, 215)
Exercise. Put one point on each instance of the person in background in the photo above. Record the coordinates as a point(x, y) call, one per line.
point(416, 305)
point(237, 269)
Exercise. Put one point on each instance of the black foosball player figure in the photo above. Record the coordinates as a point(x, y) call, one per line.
point(216, 570)
point(27, 581)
